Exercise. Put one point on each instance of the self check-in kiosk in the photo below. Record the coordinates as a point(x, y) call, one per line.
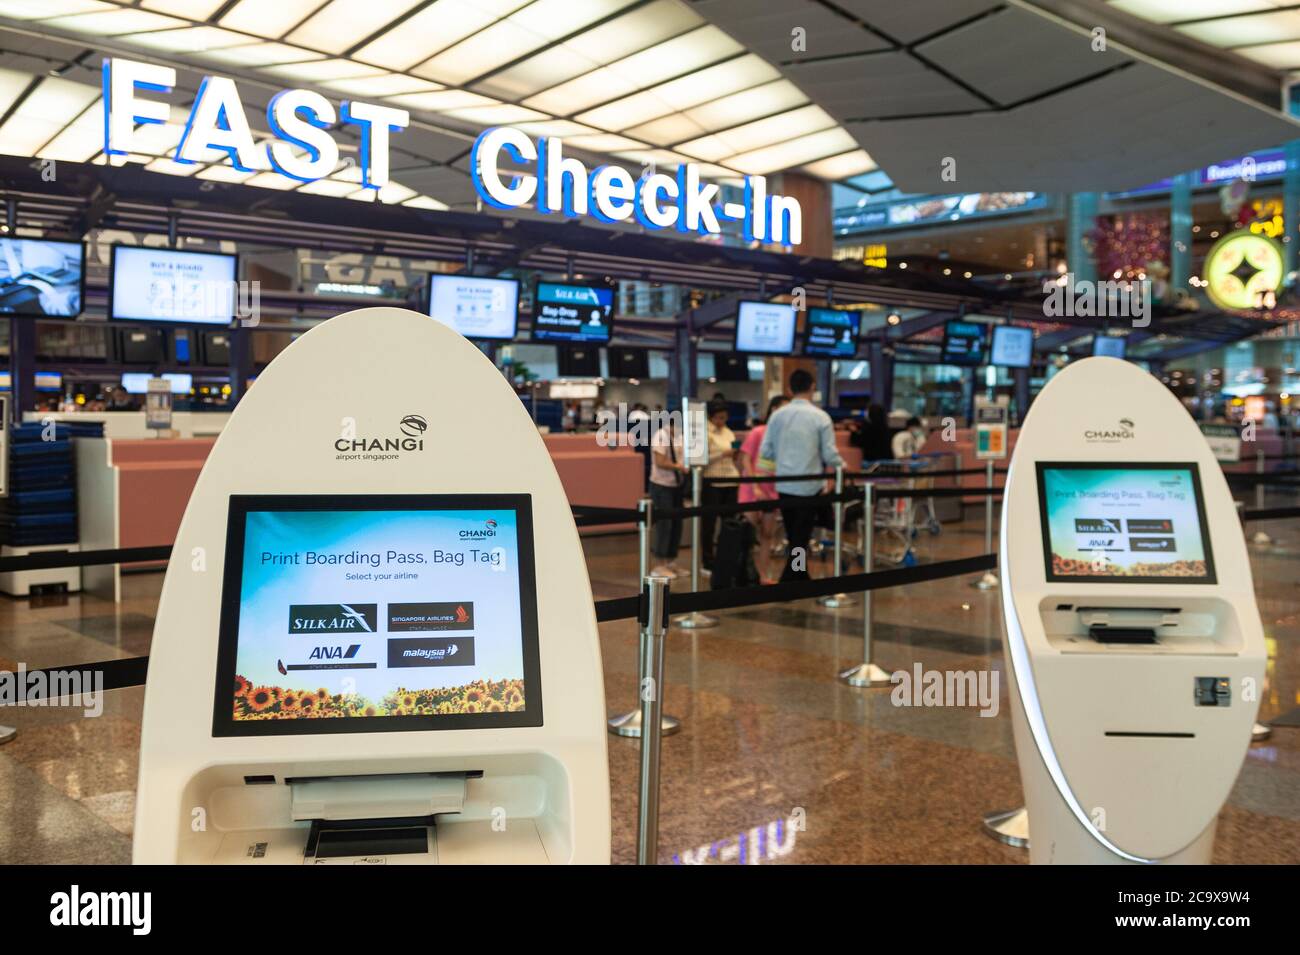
point(1131, 633)
point(376, 640)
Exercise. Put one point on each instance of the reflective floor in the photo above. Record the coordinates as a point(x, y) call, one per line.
point(777, 760)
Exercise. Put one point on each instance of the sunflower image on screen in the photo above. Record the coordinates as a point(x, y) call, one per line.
point(1135, 521)
point(280, 703)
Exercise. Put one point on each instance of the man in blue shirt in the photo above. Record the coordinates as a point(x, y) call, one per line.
point(800, 438)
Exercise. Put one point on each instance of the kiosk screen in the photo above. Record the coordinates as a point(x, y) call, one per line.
point(370, 613)
point(1124, 523)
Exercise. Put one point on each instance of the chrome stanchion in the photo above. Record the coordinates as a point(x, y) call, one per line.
point(990, 579)
point(837, 601)
point(696, 620)
point(652, 665)
point(1009, 827)
point(629, 724)
point(866, 673)
point(1258, 732)
point(7, 734)
point(1259, 536)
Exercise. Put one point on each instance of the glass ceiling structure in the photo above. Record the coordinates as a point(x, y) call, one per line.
point(647, 81)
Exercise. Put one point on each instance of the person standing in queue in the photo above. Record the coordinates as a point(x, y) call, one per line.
point(667, 476)
point(724, 458)
point(800, 438)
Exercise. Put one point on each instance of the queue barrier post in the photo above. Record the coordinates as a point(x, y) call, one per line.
point(1260, 537)
point(652, 666)
point(7, 734)
point(1260, 731)
point(1009, 827)
point(989, 581)
point(838, 601)
point(866, 673)
point(629, 724)
point(696, 620)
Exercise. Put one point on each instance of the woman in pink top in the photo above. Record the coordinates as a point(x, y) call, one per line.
point(751, 465)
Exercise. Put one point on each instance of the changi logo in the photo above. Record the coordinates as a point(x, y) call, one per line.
point(489, 529)
point(562, 184)
point(1111, 435)
point(413, 425)
point(333, 618)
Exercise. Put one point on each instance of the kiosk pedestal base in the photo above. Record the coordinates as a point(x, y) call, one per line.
point(1009, 827)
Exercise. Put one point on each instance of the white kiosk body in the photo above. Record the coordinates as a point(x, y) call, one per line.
point(376, 640)
point(1132, 638)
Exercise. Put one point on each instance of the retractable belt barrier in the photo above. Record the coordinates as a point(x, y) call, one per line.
point(130, 671)
point(854, 475)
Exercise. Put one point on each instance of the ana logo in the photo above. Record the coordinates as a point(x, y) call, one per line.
point(334, 653)
point(413, 425)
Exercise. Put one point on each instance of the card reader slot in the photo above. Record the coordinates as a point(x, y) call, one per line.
point(368, 837)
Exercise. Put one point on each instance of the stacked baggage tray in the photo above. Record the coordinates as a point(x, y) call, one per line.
point(41, 508)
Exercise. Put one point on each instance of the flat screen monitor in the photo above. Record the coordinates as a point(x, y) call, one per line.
point(49, 381)
point(730, 367)
point(374, 613)
point(141, 346)
point(563, 312)
point(579, 361)
point(485, 309)
point(1013, 347)
point(172, 285)
point(765, 328)
point(831, 333)
point(137, 382)
point(963, 343)
point(1124, 523)
point(1112, 346)
point(216, 348)
point(42, 278)
point(628, 362)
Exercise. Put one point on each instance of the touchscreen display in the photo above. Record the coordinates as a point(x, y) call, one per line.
point(349, 614)
point(1123, 523)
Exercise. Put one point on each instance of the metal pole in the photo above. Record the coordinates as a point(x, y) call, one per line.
point(696, 620)
point(1260, 731)
point(629, 724)
point(990, 579)
point(836, 601)
point(866, 673)
point(652, 665)
point(1260, 537)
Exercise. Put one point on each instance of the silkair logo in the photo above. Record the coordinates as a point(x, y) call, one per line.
point(333, 618)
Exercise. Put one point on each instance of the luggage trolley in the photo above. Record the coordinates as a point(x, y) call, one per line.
point(899, 520)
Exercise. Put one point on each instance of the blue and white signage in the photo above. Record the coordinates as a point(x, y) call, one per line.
point(300, 120)
point(560, 183)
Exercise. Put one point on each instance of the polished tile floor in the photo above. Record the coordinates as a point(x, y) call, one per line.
point(776, 762)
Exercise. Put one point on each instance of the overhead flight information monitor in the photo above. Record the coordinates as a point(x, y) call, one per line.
point(563, 312)
point(1013, 346)
point(345, 614)
point(1124, 523)
point(1109, 346)
point(765, 328)
point(831, 333)
point(963, 343)
point(478, 308)
point(172, 285)
point(41, 278)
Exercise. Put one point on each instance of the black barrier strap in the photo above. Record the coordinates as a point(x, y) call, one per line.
point(84, 558)
point(790, 503)
point(598, 520)
point(620, 608)
point(1270, 513)
point(901, 474)
point(892, 491)
point(117, 675)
